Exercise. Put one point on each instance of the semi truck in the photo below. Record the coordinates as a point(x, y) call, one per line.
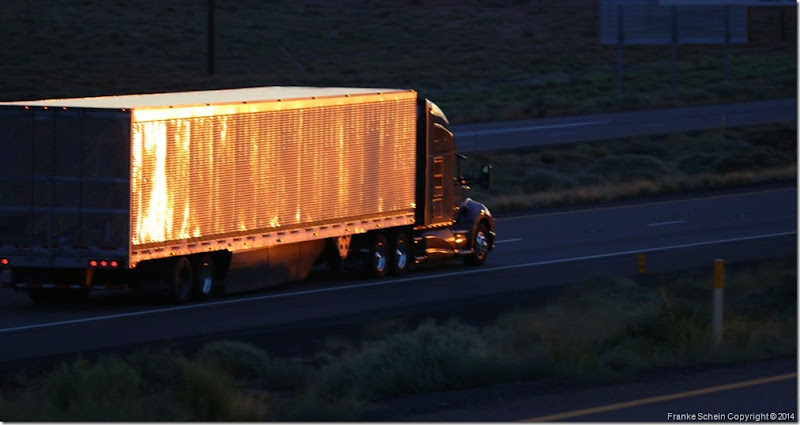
point(208, 192)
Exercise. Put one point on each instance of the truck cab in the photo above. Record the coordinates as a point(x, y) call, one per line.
point(448, 222)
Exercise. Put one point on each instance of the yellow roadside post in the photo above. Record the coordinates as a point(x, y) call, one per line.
point(717, 297)
point(642, 259)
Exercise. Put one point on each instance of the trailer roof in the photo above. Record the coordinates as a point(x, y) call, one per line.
point(197, 98)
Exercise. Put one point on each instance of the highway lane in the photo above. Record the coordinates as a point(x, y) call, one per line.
point(582, 128)
point(534, 251)
point(652, 226)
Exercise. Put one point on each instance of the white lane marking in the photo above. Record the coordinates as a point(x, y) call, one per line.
point(666, 223)
point(393, 281)
point(466, 133)
point(509, 240)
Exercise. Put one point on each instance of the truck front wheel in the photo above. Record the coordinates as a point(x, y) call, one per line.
point(480, 246)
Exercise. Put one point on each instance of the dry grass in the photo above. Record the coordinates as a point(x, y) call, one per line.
point(641, 166)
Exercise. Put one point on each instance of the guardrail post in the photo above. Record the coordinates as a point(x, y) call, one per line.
point(717, 298)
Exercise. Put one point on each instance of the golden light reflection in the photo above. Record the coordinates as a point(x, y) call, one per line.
point(209, 176)
point(151, 225)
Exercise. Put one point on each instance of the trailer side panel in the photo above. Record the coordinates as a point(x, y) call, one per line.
point(263, 174)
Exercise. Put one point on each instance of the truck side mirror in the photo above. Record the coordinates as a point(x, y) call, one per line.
point(485, 178)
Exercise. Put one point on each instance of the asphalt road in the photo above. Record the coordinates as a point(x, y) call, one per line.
point(581, 128)
point(533, 252)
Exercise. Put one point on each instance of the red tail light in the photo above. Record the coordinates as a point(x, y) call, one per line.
point(103, 263)
point(4, 261)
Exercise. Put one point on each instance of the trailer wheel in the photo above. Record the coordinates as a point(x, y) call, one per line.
point(480, 246)
point(377, 261)
point(180, 283)
point(400, 254)
point(204, 279)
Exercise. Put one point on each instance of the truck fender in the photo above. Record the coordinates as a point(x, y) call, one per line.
point(471, 214)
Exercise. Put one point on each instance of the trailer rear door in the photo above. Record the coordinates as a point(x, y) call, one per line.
point(64, 175)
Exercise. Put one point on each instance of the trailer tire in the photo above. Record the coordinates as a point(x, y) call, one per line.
point(204, 278)
point(400, 254)
point(480, 246)
point(377, 261)
point(180, 281)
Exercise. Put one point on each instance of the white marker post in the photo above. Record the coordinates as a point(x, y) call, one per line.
point(719, 287)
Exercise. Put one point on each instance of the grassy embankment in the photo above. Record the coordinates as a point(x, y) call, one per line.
point(605, 329)
point(641, 166)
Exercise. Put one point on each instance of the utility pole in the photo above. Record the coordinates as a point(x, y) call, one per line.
point(210, 32)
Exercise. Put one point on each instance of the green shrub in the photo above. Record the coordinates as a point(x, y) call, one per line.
point(515, 348)
point(237, 358)
point(209, 395)
point(106, 390)
point(142, 387)
point(763, 294)
point(157, 369)
point(246, 361)
point(621, 361)
point(430, 358)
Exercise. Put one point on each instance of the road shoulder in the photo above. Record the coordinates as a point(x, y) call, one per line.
point(545, 397)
